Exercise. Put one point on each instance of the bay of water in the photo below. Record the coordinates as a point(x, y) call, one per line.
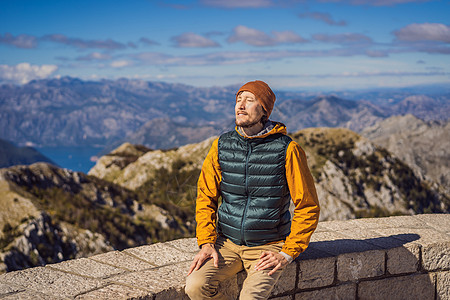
point(73, 158)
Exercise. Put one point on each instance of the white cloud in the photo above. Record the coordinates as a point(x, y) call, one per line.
point(25, 72)
point(258, 38)
point(120, 63)
point(192, 40)
point(424, 32)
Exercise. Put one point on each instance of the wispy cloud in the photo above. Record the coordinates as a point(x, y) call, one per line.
point(94, 56)
point(374, 2)
point(24, 72)
point(84, 44)
point(324, 17)
point(344, 38)
point(424, 32)
point(258, 38)
point(238, 3)
point(192, 40)
point(148, 42)
point(240, 57)
point(20, 41)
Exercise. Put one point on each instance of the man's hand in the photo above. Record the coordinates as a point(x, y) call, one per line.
point(207, 251)
point(269, 259)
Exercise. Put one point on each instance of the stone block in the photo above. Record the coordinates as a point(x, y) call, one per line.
point(30, 295)
point(443, 285)
point(403, 259)
point(287, 280)
point(160, 254)
point(115, 291)
point(389, 222)
point(355, 266)
point(122, 260)
point(313, 252)
point(51, 282)
point(340, 292)
point(418, 287)
point(185, 245)
point(440, 222)
point(315, 273)
point(436, 256)
point(86, 267)
point(166, 280)
point(9, 289)
point(371, 237)
point(422, 236)
point(335, 243)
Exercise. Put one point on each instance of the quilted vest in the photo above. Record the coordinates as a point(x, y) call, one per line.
point(255, 194)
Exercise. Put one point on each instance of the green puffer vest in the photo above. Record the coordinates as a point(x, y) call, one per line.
point(255, 195)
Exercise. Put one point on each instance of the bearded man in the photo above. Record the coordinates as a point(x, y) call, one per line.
point(257, 170)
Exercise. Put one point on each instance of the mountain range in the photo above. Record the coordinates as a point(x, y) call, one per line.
point(72, 112)
point(135, 195)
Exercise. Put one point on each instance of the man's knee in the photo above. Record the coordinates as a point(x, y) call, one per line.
point(199, 287)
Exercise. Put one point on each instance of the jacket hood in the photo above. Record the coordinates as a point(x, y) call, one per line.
point(278, 128)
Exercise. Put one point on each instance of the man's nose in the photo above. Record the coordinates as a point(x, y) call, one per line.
point(241, 104)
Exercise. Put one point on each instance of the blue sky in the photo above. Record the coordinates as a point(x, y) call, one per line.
point(327, 44)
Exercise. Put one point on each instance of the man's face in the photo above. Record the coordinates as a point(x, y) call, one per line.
point(248, 110)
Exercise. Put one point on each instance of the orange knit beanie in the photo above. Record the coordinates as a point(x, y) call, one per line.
point(262, 92)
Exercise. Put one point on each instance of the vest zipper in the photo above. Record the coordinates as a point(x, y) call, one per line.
point(244, 217)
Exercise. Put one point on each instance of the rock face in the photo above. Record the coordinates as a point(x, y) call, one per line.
point(134, 173)
point(54, 214)
point(422, 145)
point(355, 178)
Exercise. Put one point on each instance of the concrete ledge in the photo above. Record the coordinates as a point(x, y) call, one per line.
point(405, 257)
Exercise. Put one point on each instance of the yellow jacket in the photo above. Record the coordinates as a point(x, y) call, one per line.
point(301, 187)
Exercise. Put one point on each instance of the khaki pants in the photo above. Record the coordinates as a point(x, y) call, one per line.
point(203, 283)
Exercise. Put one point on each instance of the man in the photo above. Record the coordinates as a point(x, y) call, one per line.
point(257, 169)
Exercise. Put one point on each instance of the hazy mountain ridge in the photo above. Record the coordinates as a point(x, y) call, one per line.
point(423, 145)
point(11, 155)
point(70, 111)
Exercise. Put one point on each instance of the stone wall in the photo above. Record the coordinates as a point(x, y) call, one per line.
point(405, 257)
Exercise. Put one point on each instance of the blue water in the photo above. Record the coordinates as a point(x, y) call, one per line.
point(72, 158)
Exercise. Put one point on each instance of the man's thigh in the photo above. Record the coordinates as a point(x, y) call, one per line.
point(259, 284)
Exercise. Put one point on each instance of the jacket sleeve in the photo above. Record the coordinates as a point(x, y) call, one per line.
point(208, 192)
point(304, 196)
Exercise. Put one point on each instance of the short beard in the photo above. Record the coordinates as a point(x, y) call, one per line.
point(250, 124)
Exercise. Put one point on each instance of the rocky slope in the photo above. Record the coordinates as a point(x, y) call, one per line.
point(135, 195)
point(51, 214)
point(354, 177)
point(424, 146)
